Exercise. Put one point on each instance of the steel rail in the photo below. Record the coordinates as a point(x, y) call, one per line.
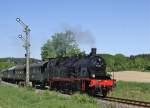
point(127, 101)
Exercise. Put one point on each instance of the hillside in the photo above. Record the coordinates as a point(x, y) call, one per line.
point(10, 61)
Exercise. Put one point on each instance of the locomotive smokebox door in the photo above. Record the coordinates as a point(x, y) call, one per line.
point(93, 52)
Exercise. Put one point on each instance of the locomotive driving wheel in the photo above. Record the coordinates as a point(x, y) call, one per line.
point(92, 91)
point(104, 93)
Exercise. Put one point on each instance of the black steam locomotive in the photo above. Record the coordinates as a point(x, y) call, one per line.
point(85, 73)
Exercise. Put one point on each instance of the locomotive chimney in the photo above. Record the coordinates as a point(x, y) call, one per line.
point(93, 52)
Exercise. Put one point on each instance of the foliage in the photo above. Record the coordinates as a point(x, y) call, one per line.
point(60, 45)
point(132, 90)
point(120, 62)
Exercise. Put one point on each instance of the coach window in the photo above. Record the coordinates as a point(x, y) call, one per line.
point(13, 71)
point(40, 70)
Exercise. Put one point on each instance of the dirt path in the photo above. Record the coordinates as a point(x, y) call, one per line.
point(132, 76)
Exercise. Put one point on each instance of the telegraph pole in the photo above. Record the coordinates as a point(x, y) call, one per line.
point(26, 45)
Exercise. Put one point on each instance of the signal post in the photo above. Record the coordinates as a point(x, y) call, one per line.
point(26, 45)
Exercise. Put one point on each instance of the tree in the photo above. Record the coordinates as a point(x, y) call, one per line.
point(60, 45)
point(140, 63)
point(110, 61)
point(120, 62)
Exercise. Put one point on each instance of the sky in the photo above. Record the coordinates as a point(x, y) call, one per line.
point(113, 26)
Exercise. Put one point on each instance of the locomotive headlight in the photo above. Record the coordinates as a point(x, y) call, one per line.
point(93, 75)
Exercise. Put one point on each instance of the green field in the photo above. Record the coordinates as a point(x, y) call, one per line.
point(132, 90)
point(11, 97)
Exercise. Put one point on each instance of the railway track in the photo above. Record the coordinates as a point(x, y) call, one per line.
point(127, 101)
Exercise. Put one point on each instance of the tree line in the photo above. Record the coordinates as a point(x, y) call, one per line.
point(119, 62)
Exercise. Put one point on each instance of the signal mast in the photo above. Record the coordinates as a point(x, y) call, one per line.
point(26, 45)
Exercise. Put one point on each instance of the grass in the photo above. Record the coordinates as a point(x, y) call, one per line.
point(11, 97)
point(132, 90)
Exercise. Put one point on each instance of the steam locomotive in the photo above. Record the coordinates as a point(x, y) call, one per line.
point(85, 73)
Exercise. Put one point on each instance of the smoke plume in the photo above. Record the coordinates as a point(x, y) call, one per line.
point(83, 37)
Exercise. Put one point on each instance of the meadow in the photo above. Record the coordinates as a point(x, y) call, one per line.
point(132, 90)
point(11, 97)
